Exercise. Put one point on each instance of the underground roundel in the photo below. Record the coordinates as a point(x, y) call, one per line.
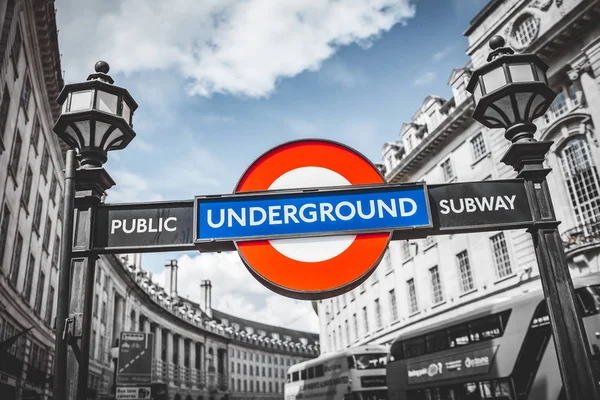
point(311, 267)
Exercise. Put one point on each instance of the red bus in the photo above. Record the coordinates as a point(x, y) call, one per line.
point(501, 350)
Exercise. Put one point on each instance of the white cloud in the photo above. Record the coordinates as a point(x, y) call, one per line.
point(221, 46)
point(131, 187)
point(425, 78)
point(440, 55)
point(236, 292)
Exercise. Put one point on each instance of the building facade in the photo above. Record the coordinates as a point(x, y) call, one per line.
point(31, 166)
point(199, 353)
point(422, 282)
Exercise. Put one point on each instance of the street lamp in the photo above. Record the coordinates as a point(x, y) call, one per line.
point(510, 91)
point(96, 118)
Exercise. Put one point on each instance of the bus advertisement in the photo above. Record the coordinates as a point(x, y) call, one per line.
point(501, 350)
point(356, 373)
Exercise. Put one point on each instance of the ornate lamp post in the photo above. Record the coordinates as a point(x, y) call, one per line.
point(96, 118)
point(510, 92)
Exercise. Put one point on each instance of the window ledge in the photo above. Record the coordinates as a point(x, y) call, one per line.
point(468, 292)
point(415, 313)
point(488, 154)
point(389, 272)
point(432, 245)
point(407, 260)
point(395, 322)
point(436, 305)
point(451, 179)
point(25, 207)
point(505, 278)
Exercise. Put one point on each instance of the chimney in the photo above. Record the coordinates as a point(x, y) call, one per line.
point(205, 297)
point(171, 278)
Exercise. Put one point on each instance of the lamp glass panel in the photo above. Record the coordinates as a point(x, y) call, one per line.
point(107, 102)
point(494, 118)
point(126, 112)
point(101, 128)
point(521, 72)
point(494, 79)
point(81, 100)
point(477, 93)
point(84, 129)
point(539, 106)
point(112, 138)
point(523, 100)
point(73, 139)
point(505, 104)
point(541, 75)
point(63, 108)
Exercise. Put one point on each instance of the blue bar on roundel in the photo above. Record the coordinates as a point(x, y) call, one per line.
point(244, 217)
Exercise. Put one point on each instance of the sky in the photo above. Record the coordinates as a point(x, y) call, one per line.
point(219, 82)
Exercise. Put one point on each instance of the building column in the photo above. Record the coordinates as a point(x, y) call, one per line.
point(193, 363)
point(147, 327)
point(169, 358)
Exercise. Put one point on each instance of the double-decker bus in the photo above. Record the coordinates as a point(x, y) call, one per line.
point(501, 350)
point(356, 373)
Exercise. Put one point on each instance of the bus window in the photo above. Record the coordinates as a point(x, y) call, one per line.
point(414, 347)
point(436, 341)
point(295, 376)
point(458, 335)
point(369, 361)
point(589, 298)
point(311, 372)
point(486, 328)
point(397, 351)
point(303, 375)
point(319, 371)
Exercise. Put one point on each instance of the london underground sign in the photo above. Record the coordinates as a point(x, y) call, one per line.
point(312, 218)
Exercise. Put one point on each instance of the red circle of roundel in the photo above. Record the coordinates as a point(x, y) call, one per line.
point(297, 278)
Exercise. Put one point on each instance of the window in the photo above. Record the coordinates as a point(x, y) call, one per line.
point(393, 305)
point(40, 292)
point(60, 207)
point(378, 319)
point(374, 278)
point(582, 181)
point(478, 149)
point(15, 50)
point(103, 315)
point(96, 304)
point(15, 155)
point(37, 214)
point(4, 110)
point(27, 187)
point(348, 338)
point(525, 31)
point(56, 251)
point(429, 242)
point(26, 94)
point(50, 305)
point(47, 232)
point(355, 323)
point(93, 344)
point(387, 260)
point(29, 277)
point(501, 258)
point(464, 268)
point(436, 285)
point(366, 319)
point(35, 135)
point(16, 259)
point(45, 162)
point(5, 218)
point(447, 170)
point(413, 305)
point(53, 185)
point(405, 249)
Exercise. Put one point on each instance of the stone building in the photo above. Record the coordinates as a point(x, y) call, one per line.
point(422, 282)
point(31, 180)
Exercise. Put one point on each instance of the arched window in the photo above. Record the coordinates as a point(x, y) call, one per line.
point(525, 31)
point(582, 180)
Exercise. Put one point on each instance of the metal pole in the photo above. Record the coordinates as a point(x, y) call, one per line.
point(86, 329)
point(572, 347)
point(62, 306)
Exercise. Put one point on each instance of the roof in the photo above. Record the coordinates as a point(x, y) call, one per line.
point(295, 335)
point(481, 15)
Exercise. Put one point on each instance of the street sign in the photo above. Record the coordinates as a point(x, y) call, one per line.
point(135, 358)
point(312, 267)
point(311, 212)
point(479, 206)
point(133, 393)
point(144, 227)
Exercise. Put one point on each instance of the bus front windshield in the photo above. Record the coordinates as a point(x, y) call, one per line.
point(368, 361)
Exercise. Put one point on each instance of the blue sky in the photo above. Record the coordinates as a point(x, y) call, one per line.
point(219, 82)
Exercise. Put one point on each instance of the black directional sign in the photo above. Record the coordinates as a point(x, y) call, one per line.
point(144, 227)
point(135, 358)
point(479, 206)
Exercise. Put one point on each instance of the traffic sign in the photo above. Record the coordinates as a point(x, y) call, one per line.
point(133, 393)
point(135, 358)
point(312, 267)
